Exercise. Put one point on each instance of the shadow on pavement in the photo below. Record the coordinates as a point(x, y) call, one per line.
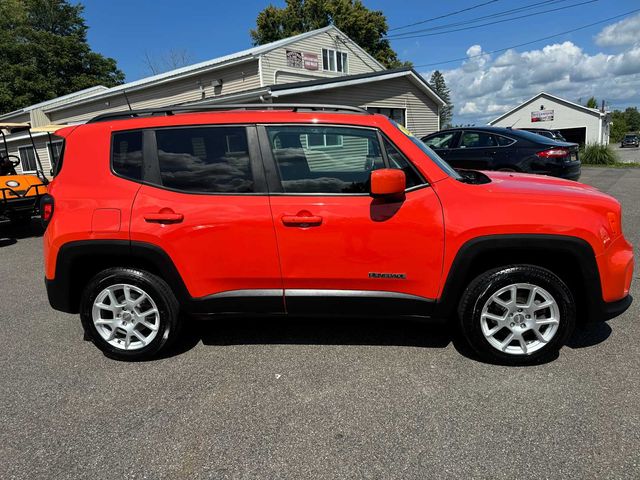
point(589, 335)
point(311, 331)
point(10, 234)
point(223, 331)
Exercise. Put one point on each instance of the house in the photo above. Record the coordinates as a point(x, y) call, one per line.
point(320, 66)
point(577, 123)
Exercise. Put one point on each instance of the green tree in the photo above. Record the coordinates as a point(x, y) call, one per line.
point(592, 103)
point(44, 53)
point(618, 126)
point(632, 118)
point(440, 87)
point(365, 27)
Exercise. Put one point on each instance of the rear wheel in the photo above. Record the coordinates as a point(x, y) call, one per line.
point(517, 315)
point(129, 314)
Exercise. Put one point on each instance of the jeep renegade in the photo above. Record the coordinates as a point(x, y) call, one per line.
point(301, 209)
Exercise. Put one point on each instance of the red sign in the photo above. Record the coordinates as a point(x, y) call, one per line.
point(310, 61)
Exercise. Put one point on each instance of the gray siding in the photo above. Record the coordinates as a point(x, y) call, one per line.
point(421, 110)
point(234, 78)
point(275, 69)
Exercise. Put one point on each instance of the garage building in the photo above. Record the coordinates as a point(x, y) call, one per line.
point(577, 123)
point(320, 66)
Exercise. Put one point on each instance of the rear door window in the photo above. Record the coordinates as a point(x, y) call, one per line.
point(477, 140)
point(207, 159)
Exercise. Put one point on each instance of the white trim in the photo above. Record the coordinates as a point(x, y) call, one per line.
point(294, 71)
point(260, 71)
point(551, 97)
point(359, 81)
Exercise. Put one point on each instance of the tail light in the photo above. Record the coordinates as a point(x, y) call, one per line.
point(46, 209)
point(554, 153)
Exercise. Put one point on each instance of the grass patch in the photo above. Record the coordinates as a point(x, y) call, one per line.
point(596, 154)
point(613, 165)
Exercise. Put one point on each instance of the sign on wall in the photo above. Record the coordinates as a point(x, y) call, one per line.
point(310, 61)
point(542, 116)
point(296, 59)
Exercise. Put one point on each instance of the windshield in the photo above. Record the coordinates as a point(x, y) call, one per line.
point(430, 153)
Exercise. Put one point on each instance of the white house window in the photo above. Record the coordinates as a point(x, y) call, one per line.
point(334, 61)
point(27, 159)
point(397, 114)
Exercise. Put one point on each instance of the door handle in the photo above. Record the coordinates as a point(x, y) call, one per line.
point(163, 217)
point(303, 219)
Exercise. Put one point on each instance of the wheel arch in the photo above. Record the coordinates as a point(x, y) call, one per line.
point(77, 262)
point(571, 258)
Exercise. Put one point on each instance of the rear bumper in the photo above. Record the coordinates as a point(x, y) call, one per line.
point(59, 297)
point(570, 172)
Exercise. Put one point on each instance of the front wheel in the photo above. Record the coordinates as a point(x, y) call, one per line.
point(129, 314)
point(517, 315)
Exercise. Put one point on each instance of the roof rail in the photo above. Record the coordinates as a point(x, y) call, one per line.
point(168, 111)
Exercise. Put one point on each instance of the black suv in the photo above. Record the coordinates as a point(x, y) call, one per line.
point(630, 140)
point(496, 148)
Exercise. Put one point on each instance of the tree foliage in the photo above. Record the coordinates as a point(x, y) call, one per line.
point(592, 103)
point(365, 27)
point(44, 53)
point(624, 122)
point(440, 87)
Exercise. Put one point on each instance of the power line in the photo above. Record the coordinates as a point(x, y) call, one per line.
point(444, 16)
point(478, 19)
point(493, 23)
point(528, 43)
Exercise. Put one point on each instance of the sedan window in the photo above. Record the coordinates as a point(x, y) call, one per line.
point(443, 140)
point(477, 140)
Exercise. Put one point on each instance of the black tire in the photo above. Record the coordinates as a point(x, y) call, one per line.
point(483, 287)
point(154, 287)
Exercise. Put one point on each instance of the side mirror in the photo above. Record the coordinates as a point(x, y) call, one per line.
point(387, 182)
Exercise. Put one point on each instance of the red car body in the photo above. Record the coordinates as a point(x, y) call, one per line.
point(304, 249)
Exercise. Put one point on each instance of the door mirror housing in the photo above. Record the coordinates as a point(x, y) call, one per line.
point(388, 182)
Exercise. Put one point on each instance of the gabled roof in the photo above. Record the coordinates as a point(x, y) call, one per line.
point(284, 89)
point(86, 93)
point(593, 111)
point(238, 57)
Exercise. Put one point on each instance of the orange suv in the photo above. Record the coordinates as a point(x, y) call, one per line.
point(323, 210)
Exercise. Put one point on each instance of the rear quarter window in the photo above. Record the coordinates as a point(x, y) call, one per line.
point(126, 155)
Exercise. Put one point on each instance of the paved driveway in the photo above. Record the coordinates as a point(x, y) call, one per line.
point(310, 399)
point(628, 154)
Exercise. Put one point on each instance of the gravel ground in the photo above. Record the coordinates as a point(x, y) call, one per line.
point(258, 398)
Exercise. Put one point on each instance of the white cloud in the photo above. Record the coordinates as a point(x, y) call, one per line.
point(486, 86)
point(624, 32)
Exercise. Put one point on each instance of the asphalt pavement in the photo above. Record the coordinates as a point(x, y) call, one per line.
point(311, 399)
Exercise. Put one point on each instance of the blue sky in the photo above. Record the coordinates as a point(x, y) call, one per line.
point(127, 30)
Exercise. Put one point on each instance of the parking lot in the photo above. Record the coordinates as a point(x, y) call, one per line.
point(271, 398)
point(627, 155)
